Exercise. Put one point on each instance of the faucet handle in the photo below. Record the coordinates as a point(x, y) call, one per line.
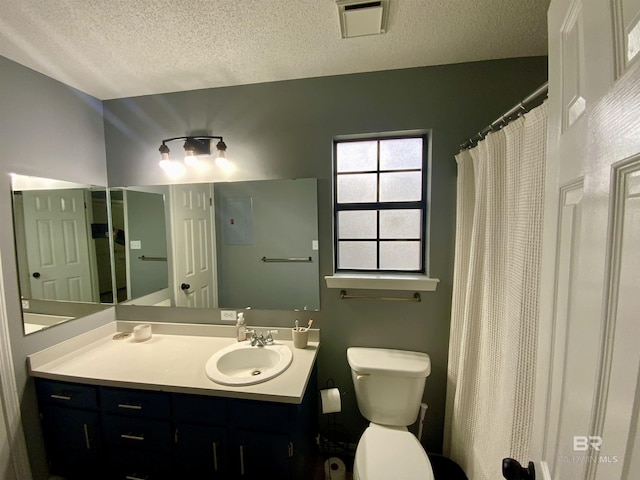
point(269, 336)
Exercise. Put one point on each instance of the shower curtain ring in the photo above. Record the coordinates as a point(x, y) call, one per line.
point(523, 110)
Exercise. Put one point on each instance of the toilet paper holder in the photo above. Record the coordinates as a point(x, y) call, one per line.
point(331, 398)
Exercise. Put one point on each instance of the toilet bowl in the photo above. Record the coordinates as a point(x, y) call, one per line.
point(389, 385)
point(386, 453)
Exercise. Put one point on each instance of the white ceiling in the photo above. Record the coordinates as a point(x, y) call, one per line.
point(122, 48)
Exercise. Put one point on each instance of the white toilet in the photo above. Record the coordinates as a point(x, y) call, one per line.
point(389, 386)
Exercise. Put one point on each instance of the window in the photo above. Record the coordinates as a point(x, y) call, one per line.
point(380, 192)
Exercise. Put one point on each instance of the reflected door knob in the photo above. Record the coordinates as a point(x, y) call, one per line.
point(185, 286)
point(36, 275)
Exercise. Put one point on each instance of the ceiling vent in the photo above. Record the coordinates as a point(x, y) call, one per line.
point(362, 17)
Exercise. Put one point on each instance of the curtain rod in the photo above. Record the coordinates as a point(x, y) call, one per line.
point(516, 110)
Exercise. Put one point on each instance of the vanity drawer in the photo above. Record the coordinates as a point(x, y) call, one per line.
point(135, 403)
point(138, 433)
point(71, 395)
point(200, 409)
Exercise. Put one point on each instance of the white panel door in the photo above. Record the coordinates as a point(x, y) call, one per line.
point(6, 462)
point(57, 245)
point(193, 245)
point(588, 395)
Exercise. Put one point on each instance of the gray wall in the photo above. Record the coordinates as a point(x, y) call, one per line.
point(145, 223)
point(49, 130)
point(285, 130)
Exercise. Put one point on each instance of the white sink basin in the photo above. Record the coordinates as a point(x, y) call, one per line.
point(241, 364)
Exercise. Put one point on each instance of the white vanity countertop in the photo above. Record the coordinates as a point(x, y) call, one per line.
point(173, 360)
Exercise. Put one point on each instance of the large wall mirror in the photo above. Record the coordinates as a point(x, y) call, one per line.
point(81, 248)
point(226, 245)
point(63, 243)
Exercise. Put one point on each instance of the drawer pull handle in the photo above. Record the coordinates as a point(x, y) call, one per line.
point(61, 397)
point(215, 456)
point(241, 460)
point(130, 407)
point(86, 436)
point(128, 436)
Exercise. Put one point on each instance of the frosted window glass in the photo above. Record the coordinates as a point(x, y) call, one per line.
point(357, 255)
point(356, 156)
point(357, 188)
point(400, 187)
point(357, 224)
point(400, 255)
point(400, 224)
point(401, 153)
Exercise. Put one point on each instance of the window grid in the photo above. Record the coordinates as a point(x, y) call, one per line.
point(379, 206)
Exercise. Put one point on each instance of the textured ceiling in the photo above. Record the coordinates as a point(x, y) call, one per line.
point(122, 48)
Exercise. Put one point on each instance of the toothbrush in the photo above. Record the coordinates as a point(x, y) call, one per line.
point(296, 325)
point(309, 324)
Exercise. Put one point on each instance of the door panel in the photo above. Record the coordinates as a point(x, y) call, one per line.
point(591, 279)
point(193, 243)
point(57, 245)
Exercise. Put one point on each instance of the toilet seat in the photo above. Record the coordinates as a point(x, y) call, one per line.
point(385, 453)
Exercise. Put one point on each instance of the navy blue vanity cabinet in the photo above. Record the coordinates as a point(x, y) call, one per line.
point(261, 439)
point(138, 433)
point(201, 436)
point(128, 434)
point(71, 428)
point(274, 438)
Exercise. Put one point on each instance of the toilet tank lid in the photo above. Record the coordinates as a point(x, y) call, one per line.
point(385, 360)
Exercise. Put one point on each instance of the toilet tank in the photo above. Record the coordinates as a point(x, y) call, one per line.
point(388, 383)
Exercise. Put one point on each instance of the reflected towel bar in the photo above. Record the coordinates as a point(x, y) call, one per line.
point(152, 259)
point(343, 296)
point(291, 259)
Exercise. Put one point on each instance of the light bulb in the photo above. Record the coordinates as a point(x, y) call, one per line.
point(221, 160)
point(190, 158)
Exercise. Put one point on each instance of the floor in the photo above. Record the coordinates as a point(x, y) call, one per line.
point(443, 469)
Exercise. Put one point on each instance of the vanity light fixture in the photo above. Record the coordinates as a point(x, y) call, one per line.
point(193, 146)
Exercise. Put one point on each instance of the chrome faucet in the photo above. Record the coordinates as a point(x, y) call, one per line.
point(257, 339)
point(260, 340)
point(269, 338)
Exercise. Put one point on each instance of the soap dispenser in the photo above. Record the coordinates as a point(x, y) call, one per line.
point(241, 328)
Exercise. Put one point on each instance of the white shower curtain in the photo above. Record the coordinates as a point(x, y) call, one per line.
point(492, 349)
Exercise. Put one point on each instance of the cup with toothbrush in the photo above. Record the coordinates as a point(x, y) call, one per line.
point(301, 335)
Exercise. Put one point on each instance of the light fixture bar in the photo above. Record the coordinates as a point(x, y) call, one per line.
point(193, 145)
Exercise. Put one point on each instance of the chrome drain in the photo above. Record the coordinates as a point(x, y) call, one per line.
point(256, 372)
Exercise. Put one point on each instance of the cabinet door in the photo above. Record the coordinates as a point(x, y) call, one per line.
point(201, 451)
point(131, 464)
point(73, 442)
point(261, 455)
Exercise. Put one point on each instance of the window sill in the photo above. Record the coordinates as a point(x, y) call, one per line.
point(382, 281)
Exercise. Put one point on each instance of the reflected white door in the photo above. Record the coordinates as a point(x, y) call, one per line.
point(590, 325)
point(193, 245)
point(57, 245)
